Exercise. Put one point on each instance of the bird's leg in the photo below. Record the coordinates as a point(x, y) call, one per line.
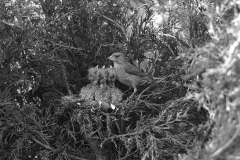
point(127, 90)
point(135, 90)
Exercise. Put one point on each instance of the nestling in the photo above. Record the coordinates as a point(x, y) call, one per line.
point(102, 76)
point(111, 76)
point(127, 73)
point(93, 75)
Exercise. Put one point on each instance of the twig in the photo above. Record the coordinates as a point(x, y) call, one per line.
point(6, 103)
point(12, 24)
point(208, 132)
point(41, 144)
point(142, 93)
point(127, 134)
point(65, 79)
point(53, 149)
point(118, 25)
point(128, 155)
point(65, 46)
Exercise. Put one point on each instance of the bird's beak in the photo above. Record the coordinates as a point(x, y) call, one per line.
point(111, 58)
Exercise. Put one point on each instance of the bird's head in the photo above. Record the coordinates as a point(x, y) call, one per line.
point(118, 58)
point(93, 75)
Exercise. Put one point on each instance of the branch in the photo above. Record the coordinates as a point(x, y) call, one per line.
point(127, 134)
point(65, 46)
point(118, 25)
point(41, 144)
point(65, 79)
point(11, 24)
point(53, 149)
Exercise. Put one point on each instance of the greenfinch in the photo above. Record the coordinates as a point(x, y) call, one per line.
point(127, 73)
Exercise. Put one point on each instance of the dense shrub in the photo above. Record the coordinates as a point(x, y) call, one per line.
point(47, 47)
point(215, 68)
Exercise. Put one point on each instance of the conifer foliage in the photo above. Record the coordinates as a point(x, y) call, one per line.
point(60, 98)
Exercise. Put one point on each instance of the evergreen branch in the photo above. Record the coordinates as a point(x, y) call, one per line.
point(47, 146)
point(41, 144)
point(118, 25)
point(127, 134)
point(11, 24)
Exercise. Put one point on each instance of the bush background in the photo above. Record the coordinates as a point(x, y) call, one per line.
point(190, 112)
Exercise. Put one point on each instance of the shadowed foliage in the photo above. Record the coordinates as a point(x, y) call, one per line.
point(58, 94)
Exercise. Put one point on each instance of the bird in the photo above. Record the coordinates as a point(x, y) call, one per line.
point(93, 75)
point(111, 76)
point(108, 97)
point(127, 73)
point(102, 76)
point(88, 92)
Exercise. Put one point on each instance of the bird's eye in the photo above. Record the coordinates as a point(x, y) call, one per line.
point(117, 56)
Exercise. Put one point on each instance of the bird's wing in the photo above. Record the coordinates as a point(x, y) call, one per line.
point(130, 69)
